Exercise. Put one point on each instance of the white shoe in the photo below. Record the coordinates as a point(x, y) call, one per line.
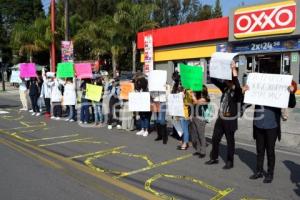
point(71, 120)
point(38, 114)
point(119, 127)
point(30, 111)
point(80, 122)
point(109, 127)
point(52, 117)
point(141, 132)
point(57, 118)
point(85, 123)
point(67, 120)
point(33, 113)
point(145, 134)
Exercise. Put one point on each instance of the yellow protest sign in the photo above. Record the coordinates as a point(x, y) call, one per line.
point(93, 92)
point(126, 87)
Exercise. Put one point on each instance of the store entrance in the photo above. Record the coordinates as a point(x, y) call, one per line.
point(268, 63)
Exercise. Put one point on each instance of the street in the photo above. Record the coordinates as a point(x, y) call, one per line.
point(46, 159)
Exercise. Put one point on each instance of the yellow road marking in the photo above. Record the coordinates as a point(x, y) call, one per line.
point(220, 193)
point(167, 162)
point(30, 154)
point(247, 198)
point(97, 152)
point(12, 118)
point(53, 138)
point(85, 140)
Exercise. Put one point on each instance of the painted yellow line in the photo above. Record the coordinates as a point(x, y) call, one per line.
point(167, 162)
point(220, 193)
point(53, 138)
point(72, 141)
point(97, 152)
point(12, 118)
point(247, 198)
point(31, 154)
point(122, 185)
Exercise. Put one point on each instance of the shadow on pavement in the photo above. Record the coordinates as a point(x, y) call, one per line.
point(9, 106)
point(295, 174)
point(247, 157)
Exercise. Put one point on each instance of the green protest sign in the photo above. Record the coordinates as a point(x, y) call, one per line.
point(191, 77)
point(65, 70)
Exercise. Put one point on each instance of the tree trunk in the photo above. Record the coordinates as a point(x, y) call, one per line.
point(114, 64)
point(133, 56)
point(30, 57)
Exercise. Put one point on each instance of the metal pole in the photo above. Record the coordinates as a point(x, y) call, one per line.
point(53, 53)
point(67, 31)
point(3, 81)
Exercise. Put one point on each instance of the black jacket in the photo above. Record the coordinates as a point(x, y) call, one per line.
point(229, 118)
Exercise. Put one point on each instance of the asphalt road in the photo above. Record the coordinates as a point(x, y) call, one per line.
point(45, 159)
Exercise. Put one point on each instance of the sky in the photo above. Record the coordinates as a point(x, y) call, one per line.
point(227, 5)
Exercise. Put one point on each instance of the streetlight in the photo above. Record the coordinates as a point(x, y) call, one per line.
point(2, 71)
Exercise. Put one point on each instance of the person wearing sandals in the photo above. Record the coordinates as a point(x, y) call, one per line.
point(197, 124)
point(184, 121)
point(227, 121)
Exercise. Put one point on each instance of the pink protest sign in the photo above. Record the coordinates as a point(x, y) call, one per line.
point(83, 70)
point(27, 70)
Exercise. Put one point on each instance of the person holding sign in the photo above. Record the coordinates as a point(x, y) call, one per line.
point(46, 90)
point(85, 103)
point(56, 98)
point(34, 93)
point(266, 130)
point(227, 121)
point(99, 117)
point(69, 99)
point(22, 92)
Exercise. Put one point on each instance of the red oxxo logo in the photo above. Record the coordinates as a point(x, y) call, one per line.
point(269, 19)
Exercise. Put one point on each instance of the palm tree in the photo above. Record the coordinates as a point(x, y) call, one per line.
point(135, 17)
point(32, 38)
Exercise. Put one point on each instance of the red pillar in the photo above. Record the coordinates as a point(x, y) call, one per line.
point(53, 53)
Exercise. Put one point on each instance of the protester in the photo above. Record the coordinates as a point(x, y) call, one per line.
point(23, 92)
point(141, 85)
point(127, 117)
point(34, 95)
point(99, 117)
point(46, 90)
point(227, 121)
point(56, 99)
point(266, 130)
point(198, 121)
point(85, 103)
point(69, 99)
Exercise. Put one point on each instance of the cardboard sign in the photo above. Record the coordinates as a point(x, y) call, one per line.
point(139, 101)
point(15, 77)
point(268, 90)
point(93, 92)
point(65, 70)
point(191, 77)
point(157, 80)
point(220, 65)
point(83, 70)
point(126, 87)
point(27, 70)
point(175, 105)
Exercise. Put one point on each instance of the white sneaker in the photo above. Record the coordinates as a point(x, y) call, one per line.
point(30, 111)
point(38, 114)
point(109, 127)
point(81, 122)
point(33, 113)
point(141, 132)
point(71, 120)
point(145, 134)
point(119, 127)
point(52, 117)
point(85, 123)
point(67, 120)
point(57, 118)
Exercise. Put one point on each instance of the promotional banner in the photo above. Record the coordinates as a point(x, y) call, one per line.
point(139, 101)
point(148, 53)
point(83, 70)
point(15, 77)
point(220, 65)
point(65, 70)
point(93, 92)
point(157, 80)
point(126, 87)
point(67, 50)
point(27, 70)
point(191, 77)
point(268, 90)
point(175, 105)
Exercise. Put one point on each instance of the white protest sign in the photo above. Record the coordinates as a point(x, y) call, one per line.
point(139, 101)
point(175, 105)
point(268, 90)
point(15, 77)
point(157, 80)
point(220, 65)
point(178, 127)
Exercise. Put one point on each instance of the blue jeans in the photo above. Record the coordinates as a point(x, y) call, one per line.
point(98, 113)
point(72, 112)
point(161, 115)
point(185, 127)
point(84, 112)
point(145, 120)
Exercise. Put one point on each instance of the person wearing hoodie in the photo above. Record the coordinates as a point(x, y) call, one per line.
point(69, 99)
point(46, 90)
point(34, 93)
point(56, 98)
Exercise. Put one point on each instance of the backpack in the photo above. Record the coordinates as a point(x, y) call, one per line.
point(208, 113)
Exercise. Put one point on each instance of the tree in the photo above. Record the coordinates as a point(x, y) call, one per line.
point(217, 10)
point(134, 17)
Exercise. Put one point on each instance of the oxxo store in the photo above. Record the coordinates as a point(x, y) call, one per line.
point(267, 37)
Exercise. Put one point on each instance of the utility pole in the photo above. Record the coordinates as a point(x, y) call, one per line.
point(67, 21)
point(53, 53)
point(2, 71)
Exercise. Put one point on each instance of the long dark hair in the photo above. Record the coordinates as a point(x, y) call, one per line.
point(203, 94)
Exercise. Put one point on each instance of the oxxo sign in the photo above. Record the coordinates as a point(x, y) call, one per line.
point(269, 19)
